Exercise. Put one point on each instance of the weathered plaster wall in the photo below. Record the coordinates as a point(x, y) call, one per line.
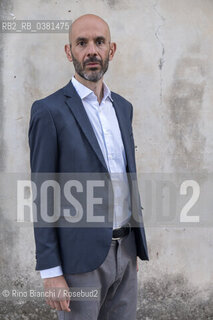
point(163, 65)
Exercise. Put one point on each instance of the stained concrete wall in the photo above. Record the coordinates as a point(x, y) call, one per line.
point(163, 65)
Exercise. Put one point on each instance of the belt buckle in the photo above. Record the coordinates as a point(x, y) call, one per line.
point(116, 238)
point(128, 224)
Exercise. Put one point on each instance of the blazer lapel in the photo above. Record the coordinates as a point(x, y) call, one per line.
point(76, 106)
point(123, 124)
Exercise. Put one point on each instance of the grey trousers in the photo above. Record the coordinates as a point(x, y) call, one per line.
point(117, 279)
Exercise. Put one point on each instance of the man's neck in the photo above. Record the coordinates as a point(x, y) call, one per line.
point(96, 87)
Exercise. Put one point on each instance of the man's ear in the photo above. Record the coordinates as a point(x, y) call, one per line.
point(112, 50)
point(68, 52)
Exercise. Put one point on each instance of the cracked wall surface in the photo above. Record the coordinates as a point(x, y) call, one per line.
point(163, 65)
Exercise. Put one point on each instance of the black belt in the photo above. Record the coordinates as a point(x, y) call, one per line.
point(121, 232)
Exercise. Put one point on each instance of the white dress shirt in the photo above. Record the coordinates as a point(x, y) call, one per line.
point(106, 128)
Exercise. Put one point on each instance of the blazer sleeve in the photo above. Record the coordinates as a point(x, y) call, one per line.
point(42, 137)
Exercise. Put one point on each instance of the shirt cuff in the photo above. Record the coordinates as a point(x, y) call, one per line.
point(51, 272)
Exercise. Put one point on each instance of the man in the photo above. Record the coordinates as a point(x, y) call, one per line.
point(84, 127)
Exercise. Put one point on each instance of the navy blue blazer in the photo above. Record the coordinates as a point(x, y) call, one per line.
point(61, 139)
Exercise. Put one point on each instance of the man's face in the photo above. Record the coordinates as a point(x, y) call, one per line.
point(90, 49)
point(93, 67)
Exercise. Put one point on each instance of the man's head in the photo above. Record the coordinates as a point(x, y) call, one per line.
point(90, 48)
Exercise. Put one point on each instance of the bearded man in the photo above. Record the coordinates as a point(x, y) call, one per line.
point(85, 127)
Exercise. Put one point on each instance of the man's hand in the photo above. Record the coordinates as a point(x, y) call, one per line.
point(137, 264)
point(59, 299)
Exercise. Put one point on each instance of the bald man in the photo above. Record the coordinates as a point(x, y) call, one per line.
point(85, 127)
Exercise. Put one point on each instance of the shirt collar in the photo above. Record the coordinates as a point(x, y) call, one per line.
point(84, 91)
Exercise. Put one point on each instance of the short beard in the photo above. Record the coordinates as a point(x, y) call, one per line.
point(95, 75)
